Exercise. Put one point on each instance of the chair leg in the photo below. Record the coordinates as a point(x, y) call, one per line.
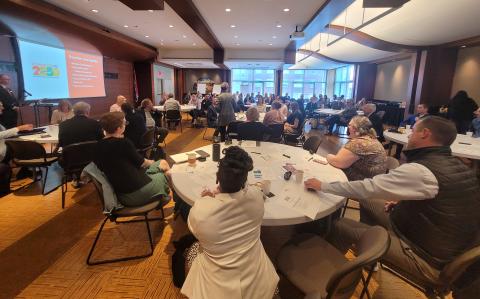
point(64, 190)
point(147, 220)
point(366, 282)
point(44, 180)
point(344, 208)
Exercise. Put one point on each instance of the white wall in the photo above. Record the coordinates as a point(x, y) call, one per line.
point(467, 73)
point(392, 80)
point(330, 83)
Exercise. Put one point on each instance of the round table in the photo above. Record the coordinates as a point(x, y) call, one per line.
point(464, 146)
point(183, 108)
point(49, 136)
point(243, 117)
point(269, 158)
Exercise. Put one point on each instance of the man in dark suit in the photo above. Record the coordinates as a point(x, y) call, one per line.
point(10, 103)
point(79, 128)
point(377, 123)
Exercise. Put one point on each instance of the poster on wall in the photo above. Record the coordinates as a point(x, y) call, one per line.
point(202, 88)
point(217, 89)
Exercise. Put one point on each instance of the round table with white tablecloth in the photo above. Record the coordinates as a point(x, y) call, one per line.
point(49, 136)
point(464, 146)
point(241, 116)
point(290, 197)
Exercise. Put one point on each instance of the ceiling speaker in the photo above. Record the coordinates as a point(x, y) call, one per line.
point(383, 3)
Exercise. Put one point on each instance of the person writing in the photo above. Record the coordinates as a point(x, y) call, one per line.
point(232, 262)
point(135, 180)
point(363, 156)
point(432, 216)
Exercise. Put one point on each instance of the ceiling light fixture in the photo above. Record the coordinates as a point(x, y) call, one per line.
point(150, 10)
point(228, 10)
point(161, 44)
point(279, 26)
point(464, 46)
point(274, 37)
point(270, 44)
point(147, 36)
point(194, 44)
point(184, 36)
point(233, 26)
point(237, 44)
point(235, 36)
point(125, 26)
point(286, 9)
point(95, 10)
point(171, 26)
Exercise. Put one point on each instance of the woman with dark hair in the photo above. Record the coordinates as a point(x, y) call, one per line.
point(460, 111)
point(294, 120)
point(135, 180)
point(232, 262)
point(136, 125)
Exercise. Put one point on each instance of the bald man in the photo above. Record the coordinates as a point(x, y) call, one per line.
point(10, 103)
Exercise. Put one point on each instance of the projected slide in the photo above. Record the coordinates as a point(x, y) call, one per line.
point(53, 73)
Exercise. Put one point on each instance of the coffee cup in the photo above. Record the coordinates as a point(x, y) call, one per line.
point(192, 158)
point(266, 186)
point(299, 176)
point(408, 127)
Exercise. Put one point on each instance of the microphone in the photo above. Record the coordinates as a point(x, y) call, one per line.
point(26, 92)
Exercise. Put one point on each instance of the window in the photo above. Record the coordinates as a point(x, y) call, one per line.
point(344, 78)
point(304, 82)
point(251, 80)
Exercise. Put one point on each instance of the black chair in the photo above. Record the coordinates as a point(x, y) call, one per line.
point(319, 270)
point(147, 142)
point(122, 213)
point(297, 137)
point(277, 133)
point(312, 144)
point(31, 154)
point(232, 131)
point(73, 159)
point(174, 116)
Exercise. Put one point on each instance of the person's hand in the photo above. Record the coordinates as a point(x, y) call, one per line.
point(147, 163)
point(313, 184)
point(27, 127)
point(163, 165)
point(208, 192)
point(389, 205)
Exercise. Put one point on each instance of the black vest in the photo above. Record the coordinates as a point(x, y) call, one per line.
point(441, 228)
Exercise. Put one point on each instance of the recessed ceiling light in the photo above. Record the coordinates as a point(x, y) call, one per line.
point(150, 10)
point(161, 40)
point(147, 35)
point(237, 44)
point(184, 36)
point(270, 44)
point(194, 44)
point(161, 44)
point(235, 36)
point(171, 26)
point(228, 10)
point(278, 26)
point(125, 26)
point(274, 37)
point(286, 9)
point(95, 10)
point(233, 26)
point(464, 46)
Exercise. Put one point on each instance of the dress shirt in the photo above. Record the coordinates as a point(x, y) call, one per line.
point(3, 135)
point(59, 116)
point(410, 181)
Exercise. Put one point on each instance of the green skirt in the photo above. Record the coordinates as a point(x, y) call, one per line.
point(150, 192)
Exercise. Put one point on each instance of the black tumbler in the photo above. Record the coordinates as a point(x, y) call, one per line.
point(216, 152)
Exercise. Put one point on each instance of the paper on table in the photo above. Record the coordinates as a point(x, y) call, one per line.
point(304, 203)
point(182, 157)
point(249, 143)
point(320, 159)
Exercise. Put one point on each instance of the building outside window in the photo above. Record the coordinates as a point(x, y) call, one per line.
point(304, 82)
point(253, 81)
point(344, 81)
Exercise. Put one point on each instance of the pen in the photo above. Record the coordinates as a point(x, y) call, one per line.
point(310, 159)
point(286, 156)
point(464, 143)
point(256, 153)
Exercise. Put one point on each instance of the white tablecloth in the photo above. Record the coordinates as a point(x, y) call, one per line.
point(328, 111)
point(49, 136)
point(183, 108)
point(243, 117)
point(463, 146)
point(269, 158)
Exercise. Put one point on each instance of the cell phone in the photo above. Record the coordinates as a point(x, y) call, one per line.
point(203, 154)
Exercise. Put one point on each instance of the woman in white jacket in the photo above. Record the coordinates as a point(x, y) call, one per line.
point(231, 262)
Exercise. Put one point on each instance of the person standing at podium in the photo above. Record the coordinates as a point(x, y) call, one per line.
point(10, 103)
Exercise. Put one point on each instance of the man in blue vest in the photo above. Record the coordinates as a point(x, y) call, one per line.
point(433, 207)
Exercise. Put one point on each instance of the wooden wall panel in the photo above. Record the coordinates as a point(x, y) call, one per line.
point(143, 73)
point(365, 81)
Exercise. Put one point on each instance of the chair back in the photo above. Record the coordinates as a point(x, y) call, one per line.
point(232, 129)
point(173, 115)
point(371, 247)
point(98, 187)
point(380, 114)
point(392, 163)
point(77, 155)
point(26, 150)
point(453, 270)
point(312, 144)
point(147, 139)
point(277, 132)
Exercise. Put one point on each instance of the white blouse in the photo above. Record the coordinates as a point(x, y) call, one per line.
point(59, 116)
point(232, 262)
